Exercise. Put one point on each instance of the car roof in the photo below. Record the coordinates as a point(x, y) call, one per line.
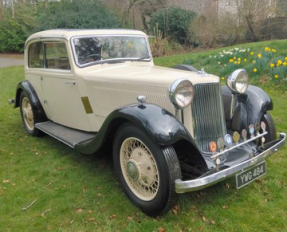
point(68, 33)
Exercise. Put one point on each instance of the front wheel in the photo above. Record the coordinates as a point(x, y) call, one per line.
point(146, 172)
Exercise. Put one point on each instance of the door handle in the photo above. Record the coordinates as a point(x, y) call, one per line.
point(70, 83)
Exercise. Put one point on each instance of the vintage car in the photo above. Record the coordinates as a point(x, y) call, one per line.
point(172, 130)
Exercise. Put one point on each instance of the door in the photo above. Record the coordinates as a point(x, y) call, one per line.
point(60, 89)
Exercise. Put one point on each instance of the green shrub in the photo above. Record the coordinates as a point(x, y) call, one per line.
point(14, 31)
point(173, 22)
point(76, 14)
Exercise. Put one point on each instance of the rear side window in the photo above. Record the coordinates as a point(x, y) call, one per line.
point(50, 55)
point(56, 56)
point(36, 58)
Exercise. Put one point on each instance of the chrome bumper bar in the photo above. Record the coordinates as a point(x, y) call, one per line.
point(203, 182)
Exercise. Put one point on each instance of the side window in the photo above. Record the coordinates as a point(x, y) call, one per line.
point(56, 56)
point(36, 58)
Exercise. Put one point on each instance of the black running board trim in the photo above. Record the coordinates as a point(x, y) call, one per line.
point(66, 135)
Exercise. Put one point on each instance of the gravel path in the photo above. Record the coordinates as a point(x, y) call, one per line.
point(8, 62)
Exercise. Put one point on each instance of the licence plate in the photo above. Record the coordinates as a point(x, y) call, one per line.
point(250, 175)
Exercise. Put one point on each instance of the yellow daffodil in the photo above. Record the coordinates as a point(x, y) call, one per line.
point(234, 58)
point(245, 60)
point(259, 56)
point(279, 62)
point(239, 63)
point(272, 65)
point(274, 50)
point(251, 53)
point(276, 76)
point(286, 58)
point(285, 63)
point(231, 60)
point(223, 78)
point(266, 49)
point(255, 70)
point(235, 62)
point(253, 62)
point(239, 59)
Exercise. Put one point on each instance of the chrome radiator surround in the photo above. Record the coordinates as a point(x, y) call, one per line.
point(208, 115)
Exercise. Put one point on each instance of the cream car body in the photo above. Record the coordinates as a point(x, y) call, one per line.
point(102, 83)
point(172, 130)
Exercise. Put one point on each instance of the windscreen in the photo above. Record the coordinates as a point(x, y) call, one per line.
point(99, 49)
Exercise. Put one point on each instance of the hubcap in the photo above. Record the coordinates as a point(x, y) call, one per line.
point(139, 169)
point(133, 170)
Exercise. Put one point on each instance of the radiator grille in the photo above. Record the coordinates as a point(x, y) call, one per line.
point(208, 116)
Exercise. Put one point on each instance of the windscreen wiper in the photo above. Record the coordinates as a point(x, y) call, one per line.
point(142, 58)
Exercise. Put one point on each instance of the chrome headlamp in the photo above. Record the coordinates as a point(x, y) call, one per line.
point(181, 93)
point(238, 81)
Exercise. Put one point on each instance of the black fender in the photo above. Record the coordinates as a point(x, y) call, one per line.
point(36, 104)
point(159, 124)
point(249, 109)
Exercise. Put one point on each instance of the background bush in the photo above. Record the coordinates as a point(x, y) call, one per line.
point(173, 22)
point(14, 31)
point(76, 14)
point(28, 18)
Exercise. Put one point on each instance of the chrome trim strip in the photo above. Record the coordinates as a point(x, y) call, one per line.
point(201, 183)
point(238, 145)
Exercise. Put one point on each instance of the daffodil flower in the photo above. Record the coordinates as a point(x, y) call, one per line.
point(255, 70)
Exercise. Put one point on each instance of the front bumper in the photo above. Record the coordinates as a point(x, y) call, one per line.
point(203, 182)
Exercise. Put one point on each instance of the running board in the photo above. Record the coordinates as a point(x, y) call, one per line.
point(66, 135)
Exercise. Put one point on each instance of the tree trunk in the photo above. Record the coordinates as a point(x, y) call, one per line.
point(12, 8)
point(1, 10)
point(251, 29)
point(144, 22)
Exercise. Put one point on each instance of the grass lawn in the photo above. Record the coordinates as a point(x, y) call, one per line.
point(46, 186)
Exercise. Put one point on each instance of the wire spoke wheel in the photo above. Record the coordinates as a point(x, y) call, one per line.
point(139, 169)
point(146, 172)
point(27, 113)
point(30, 115)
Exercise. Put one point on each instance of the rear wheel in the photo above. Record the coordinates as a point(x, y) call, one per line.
point(28, 115)
point(270, 127)
point(146, 172)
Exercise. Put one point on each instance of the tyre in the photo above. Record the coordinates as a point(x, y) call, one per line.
point(146, 172)
point(270, 127)
point(29, 115)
